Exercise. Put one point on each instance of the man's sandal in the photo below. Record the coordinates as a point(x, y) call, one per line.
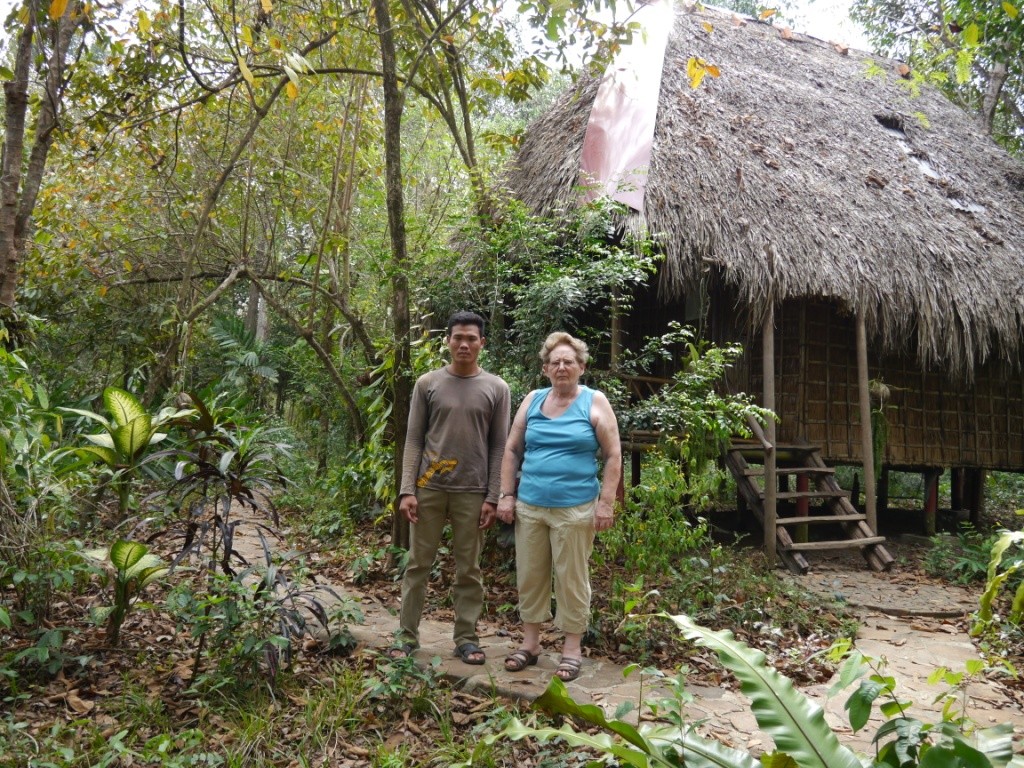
point(402, 651)
point(568, 669)
point(519, 660)
point(467, 651)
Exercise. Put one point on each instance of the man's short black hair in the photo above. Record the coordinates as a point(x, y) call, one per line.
point(462, 317)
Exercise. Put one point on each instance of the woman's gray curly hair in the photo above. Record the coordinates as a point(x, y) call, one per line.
point(561, 337)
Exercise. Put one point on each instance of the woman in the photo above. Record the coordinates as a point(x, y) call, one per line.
point(559, 503)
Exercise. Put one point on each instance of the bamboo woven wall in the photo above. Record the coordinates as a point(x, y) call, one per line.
point(933, 420)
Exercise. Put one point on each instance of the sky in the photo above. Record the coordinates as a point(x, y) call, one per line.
point(830, 21)
point(825, 19)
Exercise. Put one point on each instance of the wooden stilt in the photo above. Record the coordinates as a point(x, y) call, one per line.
point(770, 479)
point(615, 352)
point(976, 502)
point(931, 500)
point(956, 488)
point(867, 451)
point(883, 491)
point(803, 508)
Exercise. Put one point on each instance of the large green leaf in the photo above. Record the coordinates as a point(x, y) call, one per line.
point(103, 439)
point(98, 555)
point(660, 743)
point(122, 405)
point(125, 554)
point(93, 452)
point(144, 563)
point(87, 414)
point(132, 438)
point(996, 743)
point(601, 742)
point(148, 575)
point(795, 723)
point(860, 702)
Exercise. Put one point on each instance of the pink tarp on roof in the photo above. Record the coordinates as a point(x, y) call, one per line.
point(617, 145)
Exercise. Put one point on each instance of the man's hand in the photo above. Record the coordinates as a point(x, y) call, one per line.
point(487, 515)
point(408, 505)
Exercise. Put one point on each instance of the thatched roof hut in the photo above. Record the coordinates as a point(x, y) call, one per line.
point(819, 172)
point(836, 191)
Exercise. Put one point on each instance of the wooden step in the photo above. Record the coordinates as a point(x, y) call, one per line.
point(820, 519)
point(844, 544)
point(825, 494)
point(743, 446)
point(759, 471)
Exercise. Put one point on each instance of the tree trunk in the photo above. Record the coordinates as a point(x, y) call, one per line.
point(399, 254)
point(18, 193)
point(997, 77)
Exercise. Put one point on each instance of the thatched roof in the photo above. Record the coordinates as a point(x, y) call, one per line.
point(860, 185)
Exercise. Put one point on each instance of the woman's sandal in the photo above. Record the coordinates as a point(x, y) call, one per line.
point(519, 660)
point(568, 669)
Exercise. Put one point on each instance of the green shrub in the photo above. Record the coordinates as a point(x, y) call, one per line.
point(962, 557)
point(1004, 573)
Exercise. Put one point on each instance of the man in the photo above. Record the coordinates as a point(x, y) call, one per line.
point(458, 422)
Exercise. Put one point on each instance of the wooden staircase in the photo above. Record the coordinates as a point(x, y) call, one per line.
point(817, 499)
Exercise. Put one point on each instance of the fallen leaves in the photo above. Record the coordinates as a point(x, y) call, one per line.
point(697, 68)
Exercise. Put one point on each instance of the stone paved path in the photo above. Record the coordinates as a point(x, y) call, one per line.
point(909, 624)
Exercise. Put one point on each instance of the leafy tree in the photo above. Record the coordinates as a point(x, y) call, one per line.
point(48, 37)
point(969, 48)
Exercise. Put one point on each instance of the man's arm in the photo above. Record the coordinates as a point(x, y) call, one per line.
point(497, 435)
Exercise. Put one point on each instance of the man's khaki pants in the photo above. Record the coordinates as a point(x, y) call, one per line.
point(435, 509)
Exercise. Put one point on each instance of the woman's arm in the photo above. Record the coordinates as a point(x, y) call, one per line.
point(606, 428)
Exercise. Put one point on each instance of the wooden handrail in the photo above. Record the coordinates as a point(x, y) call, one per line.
point(755, 428)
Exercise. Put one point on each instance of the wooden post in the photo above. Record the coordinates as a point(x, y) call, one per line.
point(956, 488)
point(803, 508)
point(931, 500)
point(616, 340)
point(867, 453)
point(883, 491)
point(770, 480)
point(976, 498)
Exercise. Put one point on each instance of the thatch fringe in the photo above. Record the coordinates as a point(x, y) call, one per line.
point(807, 171)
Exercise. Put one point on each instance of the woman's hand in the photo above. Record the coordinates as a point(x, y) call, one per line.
point(507, 509)
point(604, 515)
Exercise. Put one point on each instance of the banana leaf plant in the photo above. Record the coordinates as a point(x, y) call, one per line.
point(127, 438)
